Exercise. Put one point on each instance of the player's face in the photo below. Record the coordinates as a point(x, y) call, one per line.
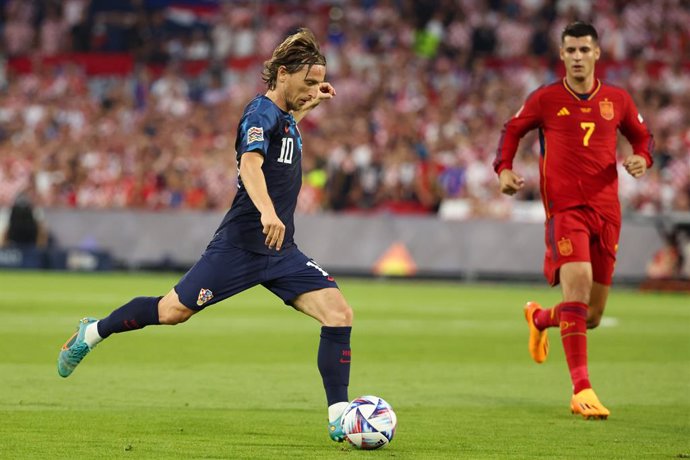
point(579, 55)
point(303, 86)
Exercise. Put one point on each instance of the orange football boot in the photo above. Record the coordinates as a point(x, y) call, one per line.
point(588, 405)
point(538, 344)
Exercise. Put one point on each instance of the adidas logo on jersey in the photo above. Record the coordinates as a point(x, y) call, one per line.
point(563, 112)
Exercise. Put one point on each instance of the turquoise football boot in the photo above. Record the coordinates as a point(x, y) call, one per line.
point(74, 350)
point(335, 430)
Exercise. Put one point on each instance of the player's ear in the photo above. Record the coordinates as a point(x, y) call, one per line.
point(597, 52)
point(561, 53)
point(282, 73)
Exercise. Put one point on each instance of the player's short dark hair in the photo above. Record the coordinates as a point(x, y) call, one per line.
point(296, 51)
point(579, 29)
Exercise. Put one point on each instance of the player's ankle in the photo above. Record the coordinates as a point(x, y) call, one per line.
point(336, 410)
point(91, 336)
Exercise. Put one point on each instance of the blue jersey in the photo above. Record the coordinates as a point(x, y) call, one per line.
point(268, 130)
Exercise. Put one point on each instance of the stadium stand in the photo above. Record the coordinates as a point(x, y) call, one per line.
point(133, 104)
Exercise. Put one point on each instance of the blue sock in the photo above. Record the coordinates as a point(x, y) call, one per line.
point(334, 362)
point(136, 314)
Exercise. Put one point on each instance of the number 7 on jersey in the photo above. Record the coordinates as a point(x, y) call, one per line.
point(588, 126)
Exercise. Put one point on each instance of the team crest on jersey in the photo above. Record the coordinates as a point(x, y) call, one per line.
point(255, 134)
point(606, 109)
point(204, 296)
point(565, 247)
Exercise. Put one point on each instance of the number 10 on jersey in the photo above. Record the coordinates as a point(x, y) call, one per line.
point(286, 150)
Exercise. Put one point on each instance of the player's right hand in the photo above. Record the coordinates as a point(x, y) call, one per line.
point(274, 229)
point(510, 183)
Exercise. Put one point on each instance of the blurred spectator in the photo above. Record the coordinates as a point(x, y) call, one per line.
point(666, 262)
point(18, 30)
point(25, 225)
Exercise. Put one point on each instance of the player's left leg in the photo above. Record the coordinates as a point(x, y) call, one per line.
point(597, 304)
point(566, 237)
point(301, 283)
point(328, 307)
point(603, 256)
point(576, 283)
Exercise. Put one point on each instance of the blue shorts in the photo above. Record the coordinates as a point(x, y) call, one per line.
point(224, 271)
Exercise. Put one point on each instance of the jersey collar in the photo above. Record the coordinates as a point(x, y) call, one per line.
point(578, 96)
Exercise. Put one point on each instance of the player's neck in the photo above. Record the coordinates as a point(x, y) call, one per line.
point(278, 99)
point(585, 86)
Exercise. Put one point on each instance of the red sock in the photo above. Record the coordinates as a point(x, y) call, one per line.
point(550, 317)
point(573, 316)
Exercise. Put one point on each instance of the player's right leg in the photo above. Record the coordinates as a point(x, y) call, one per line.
point(76, 348)
point(221, 272)
point(135, 314)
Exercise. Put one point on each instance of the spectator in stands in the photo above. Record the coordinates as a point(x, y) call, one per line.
point(25, 224)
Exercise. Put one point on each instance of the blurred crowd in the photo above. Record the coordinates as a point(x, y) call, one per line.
point(423, 89)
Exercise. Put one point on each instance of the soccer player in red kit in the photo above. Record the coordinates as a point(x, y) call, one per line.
point(577, 119)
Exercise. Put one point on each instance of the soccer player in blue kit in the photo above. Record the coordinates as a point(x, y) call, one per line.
point(254, 243)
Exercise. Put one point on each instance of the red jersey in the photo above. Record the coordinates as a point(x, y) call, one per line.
point(577, 134)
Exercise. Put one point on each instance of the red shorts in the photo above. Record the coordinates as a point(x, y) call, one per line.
point(580, 235)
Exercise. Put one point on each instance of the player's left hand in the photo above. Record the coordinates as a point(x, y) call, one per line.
point(326, 91)
point(636, 165)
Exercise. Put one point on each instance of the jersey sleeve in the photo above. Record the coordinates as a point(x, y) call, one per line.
point(635, 130)
point(526, 119)
point(254, 133)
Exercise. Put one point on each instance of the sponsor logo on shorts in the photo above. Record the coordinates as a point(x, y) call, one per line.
point(204, 296)
point(565, 247)
point(255, 134)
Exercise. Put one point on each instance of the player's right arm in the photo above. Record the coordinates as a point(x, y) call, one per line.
point(254, 182)
point(509, 182)
point(525, 120)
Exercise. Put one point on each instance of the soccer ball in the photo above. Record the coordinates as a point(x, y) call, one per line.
point(369, 422)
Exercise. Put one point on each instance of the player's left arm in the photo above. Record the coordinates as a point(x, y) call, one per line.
point(635, 130)
point(326, 91)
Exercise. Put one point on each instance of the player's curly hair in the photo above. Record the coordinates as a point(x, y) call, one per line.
point(296, 51)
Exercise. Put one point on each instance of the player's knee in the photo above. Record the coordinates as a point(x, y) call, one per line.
point(174, 314)
point(339, 316)
point(593, 319)
point(579, 290)
point(576, 295)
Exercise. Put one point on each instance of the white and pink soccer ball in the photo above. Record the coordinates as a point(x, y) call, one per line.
point(369, 422)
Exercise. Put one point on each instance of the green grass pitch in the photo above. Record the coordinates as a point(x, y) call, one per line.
point(240, 379)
